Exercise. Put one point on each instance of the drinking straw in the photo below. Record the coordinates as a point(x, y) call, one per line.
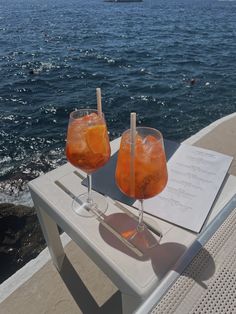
point(133, 127)
point(132, 141)
point(99, 101)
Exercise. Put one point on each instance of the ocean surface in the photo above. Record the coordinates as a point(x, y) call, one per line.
point(53, 54)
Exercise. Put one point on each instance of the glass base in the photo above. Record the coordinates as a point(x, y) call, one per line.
point(96, 207)
point(142, 238)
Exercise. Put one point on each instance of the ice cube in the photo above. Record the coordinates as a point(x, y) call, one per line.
point(152, 146)
point(76, 137)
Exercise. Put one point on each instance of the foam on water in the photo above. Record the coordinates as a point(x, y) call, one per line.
point(19, 198)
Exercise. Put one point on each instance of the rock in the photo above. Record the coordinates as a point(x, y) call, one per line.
point(21, 238)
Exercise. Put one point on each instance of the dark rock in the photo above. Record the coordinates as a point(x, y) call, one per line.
point(21, 238)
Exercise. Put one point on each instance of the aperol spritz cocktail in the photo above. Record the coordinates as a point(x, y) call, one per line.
point(87, 148)
point(143, 174)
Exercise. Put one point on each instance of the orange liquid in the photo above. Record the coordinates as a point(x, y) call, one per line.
point(150, 172)
point(88, 146)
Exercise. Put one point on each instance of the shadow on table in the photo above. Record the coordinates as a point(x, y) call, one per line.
point(83, 297)
point(163, 256)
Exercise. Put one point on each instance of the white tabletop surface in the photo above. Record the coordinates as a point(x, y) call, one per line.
point(137, 275)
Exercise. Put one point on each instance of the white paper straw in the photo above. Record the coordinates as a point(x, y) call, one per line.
point(99, 101)
point(132, 141)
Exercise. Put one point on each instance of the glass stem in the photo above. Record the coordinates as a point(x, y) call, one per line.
point(89, 199)
point(140, 217)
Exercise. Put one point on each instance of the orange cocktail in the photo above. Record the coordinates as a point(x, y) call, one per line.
point(141, 173)
point(149, 166)
point(88, 145)
point(88, 148)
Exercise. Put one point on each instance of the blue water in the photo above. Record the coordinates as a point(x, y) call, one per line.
point(53, 54)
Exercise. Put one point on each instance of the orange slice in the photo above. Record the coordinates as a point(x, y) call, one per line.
point(96, 138)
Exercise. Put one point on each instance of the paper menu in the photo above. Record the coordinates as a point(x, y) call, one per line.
point(195, 176)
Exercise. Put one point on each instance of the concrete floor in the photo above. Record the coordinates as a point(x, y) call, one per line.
point(48, 291)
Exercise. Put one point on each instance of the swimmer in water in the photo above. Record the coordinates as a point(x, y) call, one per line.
point(192, 82)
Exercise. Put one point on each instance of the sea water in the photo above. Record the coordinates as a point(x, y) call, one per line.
point(173, 62)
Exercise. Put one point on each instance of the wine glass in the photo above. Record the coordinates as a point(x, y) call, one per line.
point(88, 148)
point(141, 173)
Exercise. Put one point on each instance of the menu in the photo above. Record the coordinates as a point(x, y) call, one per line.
point(195, 176)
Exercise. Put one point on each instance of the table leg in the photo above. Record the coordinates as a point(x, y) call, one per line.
point(52, 237)
point(129, 303)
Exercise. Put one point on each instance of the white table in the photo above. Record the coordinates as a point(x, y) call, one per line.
point(135, 276)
